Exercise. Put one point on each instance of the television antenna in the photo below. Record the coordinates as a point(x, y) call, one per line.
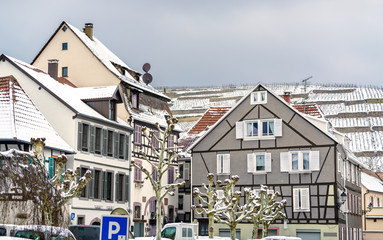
point(304, 98)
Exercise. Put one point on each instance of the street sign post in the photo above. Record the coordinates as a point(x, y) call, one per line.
point(114, 227)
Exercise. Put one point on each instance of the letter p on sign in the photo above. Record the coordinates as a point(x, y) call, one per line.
point(114, 228)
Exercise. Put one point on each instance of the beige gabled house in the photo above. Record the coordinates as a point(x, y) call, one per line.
point(84, 61)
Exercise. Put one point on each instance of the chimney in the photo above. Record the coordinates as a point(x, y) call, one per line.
point(88, 30)
point(53, 66)
point(287, 97)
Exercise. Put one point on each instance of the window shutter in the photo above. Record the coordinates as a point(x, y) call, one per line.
point(104, 187)
point(91, 185)
point(117, 193)
point(92, 138)
point(186, 171)
point(239, 130)
point(296, 198)
point(314, 161)
point(219, 163)
point(127, 188)
point(305, 198)
point(51, 167)
point(105, 141)
point(79, 136)
point(268, 162)
point(115, 136)
point(127, 147)
point(171, 175)
point(285, 162)
point(250, 163)
point(278, 127)
point(226, 163)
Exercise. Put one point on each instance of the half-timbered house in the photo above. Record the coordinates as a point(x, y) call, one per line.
point(265, 141)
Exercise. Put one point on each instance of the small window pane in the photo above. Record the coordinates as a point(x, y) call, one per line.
point(65, 46)
point(306, 161)
point(263, 96)
point(294, 163)
point(260, 162)
point(255, 97)
point(65, 72)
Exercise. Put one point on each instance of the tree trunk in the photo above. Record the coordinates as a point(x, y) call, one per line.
point(211, 225)
point(255, 229)
point(232, 232)
point(159, 216)
point(265, 230)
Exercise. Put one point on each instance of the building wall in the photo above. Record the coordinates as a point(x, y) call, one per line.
point(372, 220)
point(84, 69)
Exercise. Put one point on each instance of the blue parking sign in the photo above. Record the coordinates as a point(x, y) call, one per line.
point(114, 227)
point(72, 216)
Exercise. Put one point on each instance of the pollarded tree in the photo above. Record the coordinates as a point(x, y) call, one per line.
point(208, 199)
point(167, 157)
point(26, 171)
point(268, 210)
point(227, 209)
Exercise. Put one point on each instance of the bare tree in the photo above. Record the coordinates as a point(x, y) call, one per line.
point(167, 157)
point(208, 199)
point(27, 173)
point(267, 210)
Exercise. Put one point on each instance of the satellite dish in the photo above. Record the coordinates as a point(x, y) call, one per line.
point(147, 78)
point(146, 67)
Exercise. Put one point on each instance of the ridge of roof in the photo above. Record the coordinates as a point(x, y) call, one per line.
point(64, 93)
point(21, 119)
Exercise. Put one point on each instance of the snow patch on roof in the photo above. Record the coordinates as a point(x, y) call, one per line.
point(372, 183)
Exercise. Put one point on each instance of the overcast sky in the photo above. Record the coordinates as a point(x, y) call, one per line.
point(216, 42)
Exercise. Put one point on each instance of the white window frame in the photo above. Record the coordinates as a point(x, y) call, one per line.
point(252, 162)
point(242, 126)
point(258, 95)
point(287, 161)
point(301, 199)
point(223, 163)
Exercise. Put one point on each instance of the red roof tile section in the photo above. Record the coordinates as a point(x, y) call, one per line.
point(210, 117)
point(309, 109)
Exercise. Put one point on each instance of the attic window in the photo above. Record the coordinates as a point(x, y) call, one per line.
point(134, 96)
point(64, 46)
point(64, 28)
point(64, 72)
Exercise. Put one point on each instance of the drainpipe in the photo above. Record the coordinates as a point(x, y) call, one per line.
point(364, 209)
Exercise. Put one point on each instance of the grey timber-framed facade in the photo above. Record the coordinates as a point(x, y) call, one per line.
point(265, 141)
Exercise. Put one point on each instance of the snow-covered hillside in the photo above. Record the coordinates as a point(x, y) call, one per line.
point(355, 111)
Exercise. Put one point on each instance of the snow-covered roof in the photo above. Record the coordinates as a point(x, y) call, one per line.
point(372, 183)
point(107, 58)
point(93, 93)
point(21, 119)
point(64, 93)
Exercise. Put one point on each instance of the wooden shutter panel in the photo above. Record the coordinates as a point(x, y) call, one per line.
point(91, 185)
point(285, 162)
point(127, 147)
point(219, 163)
point(268, 162)
point(226, 163)
point(117, 192)
point(314, 161)
point(104, 141)
point(305, 198)
point(51, 167)
point(92, 138)
point(250, 163)
point(104, 185)
point(186, 171)
point(278, 127)
point(116, 145)
point(79, 136)
point(127, 188)
point(239, 130)
point(296, 198)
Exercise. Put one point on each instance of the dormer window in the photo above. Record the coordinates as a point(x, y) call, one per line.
point(134, 99)
point(112, 110)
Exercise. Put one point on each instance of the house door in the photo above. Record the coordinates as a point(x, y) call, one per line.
point(152, 220)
